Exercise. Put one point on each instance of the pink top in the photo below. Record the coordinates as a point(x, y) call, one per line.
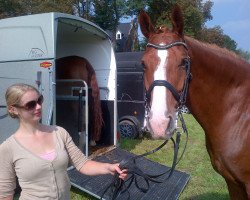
point(49, 156)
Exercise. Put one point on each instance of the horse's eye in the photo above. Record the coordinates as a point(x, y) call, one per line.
point(183, 64)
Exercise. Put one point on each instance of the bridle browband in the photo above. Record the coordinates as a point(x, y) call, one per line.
point(167, 46)
point(119, 186)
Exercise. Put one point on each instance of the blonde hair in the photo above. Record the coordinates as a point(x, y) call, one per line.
point(14, 94)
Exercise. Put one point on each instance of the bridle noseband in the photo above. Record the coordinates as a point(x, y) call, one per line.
point(180, 98)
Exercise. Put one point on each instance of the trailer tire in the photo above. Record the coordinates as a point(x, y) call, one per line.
point(129, 127)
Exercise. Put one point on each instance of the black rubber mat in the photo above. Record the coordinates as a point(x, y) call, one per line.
point(95, 185)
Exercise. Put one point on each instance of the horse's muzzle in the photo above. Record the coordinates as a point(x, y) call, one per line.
point(162, 128)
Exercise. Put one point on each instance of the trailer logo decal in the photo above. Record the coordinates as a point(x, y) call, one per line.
point(45, 64)
point(36, 53)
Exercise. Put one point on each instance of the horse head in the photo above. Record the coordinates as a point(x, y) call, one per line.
point(165, 72)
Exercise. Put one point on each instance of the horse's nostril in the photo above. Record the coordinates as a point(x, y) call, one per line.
point(170, 123)
point(166, 114)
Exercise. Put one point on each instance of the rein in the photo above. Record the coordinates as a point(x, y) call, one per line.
point(119, 186)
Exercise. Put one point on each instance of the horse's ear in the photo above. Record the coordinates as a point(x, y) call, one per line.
point(177, 20)
point(145, 24)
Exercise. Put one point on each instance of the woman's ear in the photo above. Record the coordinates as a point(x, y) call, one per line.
point(13, 111)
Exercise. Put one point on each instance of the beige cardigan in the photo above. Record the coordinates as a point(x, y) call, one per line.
point(38, 178)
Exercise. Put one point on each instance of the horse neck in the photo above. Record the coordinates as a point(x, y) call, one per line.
point(219, 84)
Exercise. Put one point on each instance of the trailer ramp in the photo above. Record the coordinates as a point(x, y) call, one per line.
point(167, 190)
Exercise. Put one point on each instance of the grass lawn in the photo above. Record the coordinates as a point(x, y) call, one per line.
point(205, 183)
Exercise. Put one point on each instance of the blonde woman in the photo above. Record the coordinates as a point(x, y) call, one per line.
point(39, 154)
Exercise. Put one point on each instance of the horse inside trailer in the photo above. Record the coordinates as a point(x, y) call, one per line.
point(76, 87)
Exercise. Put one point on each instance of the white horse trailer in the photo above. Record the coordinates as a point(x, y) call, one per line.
point(29, 47)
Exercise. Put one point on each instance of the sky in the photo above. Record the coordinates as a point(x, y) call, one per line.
point(233, 16)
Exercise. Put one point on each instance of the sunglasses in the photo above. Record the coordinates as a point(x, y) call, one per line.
point(32, 104)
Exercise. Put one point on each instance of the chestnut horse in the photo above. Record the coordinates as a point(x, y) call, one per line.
point(216, 86)
point(75, 67)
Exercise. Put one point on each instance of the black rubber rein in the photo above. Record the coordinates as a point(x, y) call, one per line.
point(119, 186)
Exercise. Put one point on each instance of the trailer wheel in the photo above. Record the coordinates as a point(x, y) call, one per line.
point(129, 127)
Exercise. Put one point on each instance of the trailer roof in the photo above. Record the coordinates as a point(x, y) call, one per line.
point(34, 37)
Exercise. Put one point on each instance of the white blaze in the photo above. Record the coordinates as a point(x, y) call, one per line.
point(159, 106)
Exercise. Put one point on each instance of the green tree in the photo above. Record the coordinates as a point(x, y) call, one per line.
point(42, 6)
point(229, 43)
point(107, 15)
point(12, 8)
point(212, 35)
point(244, 54)
point(84, 8)
point(104, 14)
point(195, 13)
point(216, 36)
point(133, 7)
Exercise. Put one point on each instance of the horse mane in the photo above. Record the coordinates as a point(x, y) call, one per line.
point(222, 52)
point(219, 61)
point(212, 47)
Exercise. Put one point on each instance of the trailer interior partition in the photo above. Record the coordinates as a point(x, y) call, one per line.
point(86, 40)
